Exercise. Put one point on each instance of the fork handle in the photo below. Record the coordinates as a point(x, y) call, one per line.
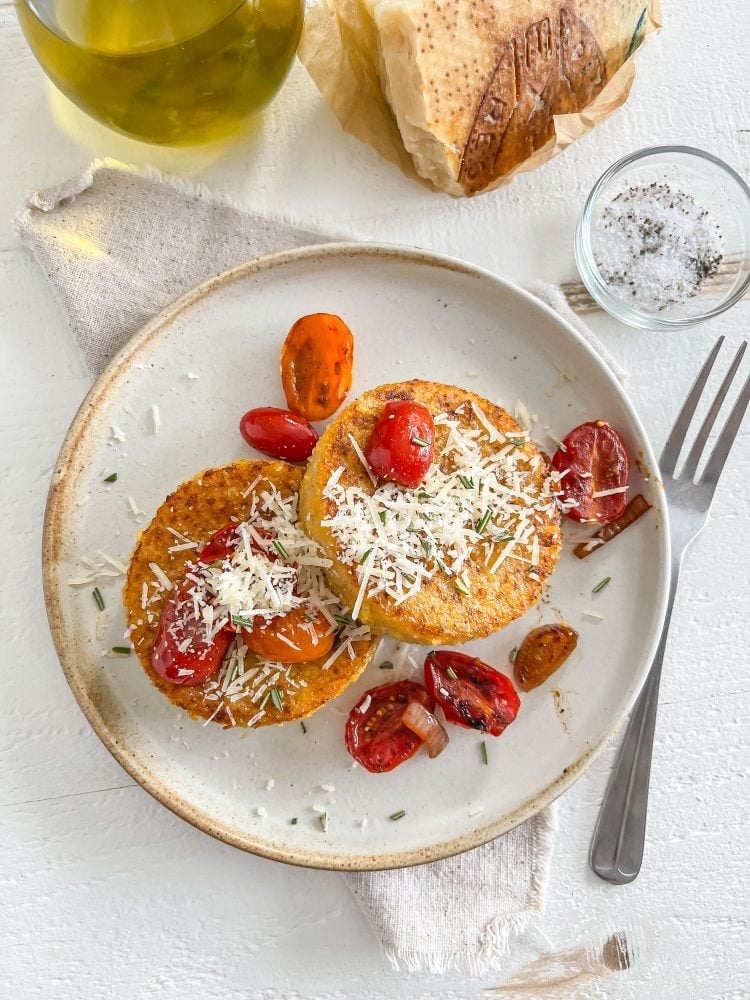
point(617, 844)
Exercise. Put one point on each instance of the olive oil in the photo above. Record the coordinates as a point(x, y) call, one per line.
point(165, 71)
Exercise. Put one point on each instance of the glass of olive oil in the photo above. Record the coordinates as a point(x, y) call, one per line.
point(177, 72)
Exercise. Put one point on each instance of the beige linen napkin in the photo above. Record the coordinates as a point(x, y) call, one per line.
point(117, 246)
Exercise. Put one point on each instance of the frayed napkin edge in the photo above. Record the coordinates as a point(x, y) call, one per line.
point(496, 937)
point(50, 198)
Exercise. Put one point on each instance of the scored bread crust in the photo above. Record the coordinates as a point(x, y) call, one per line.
point(197, 508)
point(475, 86)
point(438, 614)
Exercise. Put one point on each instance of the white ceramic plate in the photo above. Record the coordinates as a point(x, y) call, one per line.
point(413, 316)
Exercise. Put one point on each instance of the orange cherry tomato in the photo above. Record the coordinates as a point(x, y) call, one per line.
point(300, 642)
point(316, 365)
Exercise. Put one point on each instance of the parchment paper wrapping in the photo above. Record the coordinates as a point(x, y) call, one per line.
point(337, 49)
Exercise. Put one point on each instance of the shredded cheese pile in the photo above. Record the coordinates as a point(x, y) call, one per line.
point(487, 497)
point(274, 569)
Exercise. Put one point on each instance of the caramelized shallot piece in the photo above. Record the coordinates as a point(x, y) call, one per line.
point(426, 727)
point(542, 652)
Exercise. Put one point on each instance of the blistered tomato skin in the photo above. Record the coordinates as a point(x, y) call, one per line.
point(401, 447)
point(470, 692)
point(279, 433)
point(295, 627)
point(197, 663)
point(375, 733)
point(594, 460)
point(317, 360)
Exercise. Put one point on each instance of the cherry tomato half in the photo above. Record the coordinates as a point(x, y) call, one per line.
point(470, 692)
point(316, 365)
point(375, 733)
point(307, 643)
point(223, 542)
point(279, 433)
point(402, 443)
point(220, 545)
point(595, 459)
point(202, 659)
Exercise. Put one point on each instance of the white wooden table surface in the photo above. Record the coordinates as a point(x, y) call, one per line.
point(104, 893)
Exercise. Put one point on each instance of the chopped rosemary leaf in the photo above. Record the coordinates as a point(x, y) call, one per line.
point(461, 589)
point(341, 619)
point(98, 599)
point(216, 564)
point(512, 654)
point(311, 618)
point(452, 674)
point(122, 650)
point(111, 478)
point(277, 698)
point(365, 557)
point(482, 523)
point(280, 549)
point(424, 496)
point(263, 703)
point(425, 545)
point(398, 815)
point(408, 577)
point(516, 442)
point(238, 620)
point(485, 758)
point(502, 538)
point(441, 566)
point(383, 515)
point(601, 585)
point(324, 821)
point(466, 481)
point(304, 727)
point(294, 821)
point(421, 442)
point(386, 665)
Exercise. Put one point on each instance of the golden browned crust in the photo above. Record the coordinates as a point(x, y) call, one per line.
point(197, 508)
point(439, 614)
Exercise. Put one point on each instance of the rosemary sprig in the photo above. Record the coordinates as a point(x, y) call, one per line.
point(601, 585)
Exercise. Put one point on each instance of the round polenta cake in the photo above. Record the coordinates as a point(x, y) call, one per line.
point(238, 694)
point(460, 556)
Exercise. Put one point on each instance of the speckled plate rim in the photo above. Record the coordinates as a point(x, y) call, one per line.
point(60, 505)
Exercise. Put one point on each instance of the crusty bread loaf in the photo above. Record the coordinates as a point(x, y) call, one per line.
point(474, 85)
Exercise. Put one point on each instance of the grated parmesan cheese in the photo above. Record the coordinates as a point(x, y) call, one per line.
point(155, 418)
point(398, 539)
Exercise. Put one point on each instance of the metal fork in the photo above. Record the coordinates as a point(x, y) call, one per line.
point(617, 844)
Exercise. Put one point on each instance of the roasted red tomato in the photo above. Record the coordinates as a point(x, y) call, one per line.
point(470, 692)
point(220, 545)
point(596, 461)
point(279, 433)
point(201, 659)
point(223, 542)
point(299, 636)
point(316, 365)
point(402, 443)
point(375, 733)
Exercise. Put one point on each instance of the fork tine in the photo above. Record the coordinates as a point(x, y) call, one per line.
point(726, 439)
point(672, 448)
point(694, 456)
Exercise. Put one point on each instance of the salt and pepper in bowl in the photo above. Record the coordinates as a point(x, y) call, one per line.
point(663, 241)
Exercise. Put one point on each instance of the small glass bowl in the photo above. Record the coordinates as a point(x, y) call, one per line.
point(714, 186)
